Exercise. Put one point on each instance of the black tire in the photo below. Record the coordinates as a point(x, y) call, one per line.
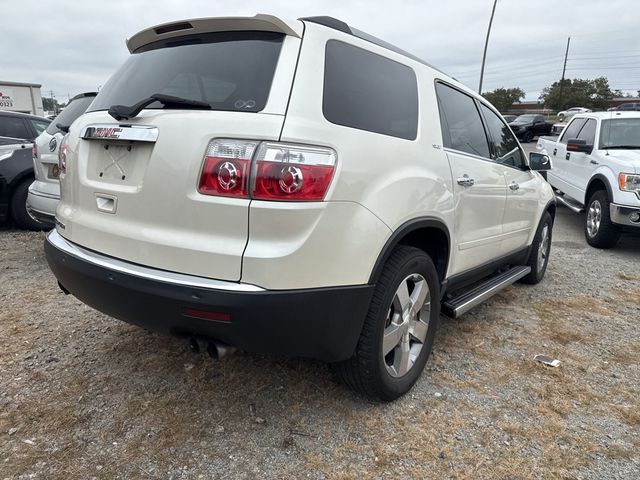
point(605, 234)
point(528, 137)
point(19, 207)
point(367, 372)
point(540, 250)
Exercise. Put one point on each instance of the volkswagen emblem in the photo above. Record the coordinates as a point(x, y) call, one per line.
point(53, 143)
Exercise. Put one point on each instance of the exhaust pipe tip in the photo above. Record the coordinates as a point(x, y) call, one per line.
point(219, 350)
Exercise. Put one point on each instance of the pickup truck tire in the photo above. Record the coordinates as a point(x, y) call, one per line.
point(408, 279)
point(540, 249)
point(599, 231)
point(528, 137)
point(19, 207)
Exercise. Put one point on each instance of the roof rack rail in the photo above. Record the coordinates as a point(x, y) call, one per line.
point(341, 26)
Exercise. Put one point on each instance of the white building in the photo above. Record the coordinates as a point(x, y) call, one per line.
point(21, 97)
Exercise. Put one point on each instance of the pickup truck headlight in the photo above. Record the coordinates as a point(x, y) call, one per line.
point(629, 182)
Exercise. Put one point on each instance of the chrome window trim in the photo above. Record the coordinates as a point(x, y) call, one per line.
point(173, 278)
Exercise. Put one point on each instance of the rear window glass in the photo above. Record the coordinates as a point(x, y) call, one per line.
point(228, 70)
point(369, 92)
point(13, 127)
point(72, 111)
point(571, 130)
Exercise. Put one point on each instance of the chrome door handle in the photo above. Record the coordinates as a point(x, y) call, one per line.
point(555, 150)
point(465, 181)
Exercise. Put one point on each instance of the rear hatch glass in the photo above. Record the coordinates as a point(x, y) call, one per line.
point(71, 112)
point(230, 71)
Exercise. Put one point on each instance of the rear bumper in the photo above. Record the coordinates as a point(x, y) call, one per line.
point(42, 205)
point(620, 215)
point(322, 323)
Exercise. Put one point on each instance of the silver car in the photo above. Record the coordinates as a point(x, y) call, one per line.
point(44, 192)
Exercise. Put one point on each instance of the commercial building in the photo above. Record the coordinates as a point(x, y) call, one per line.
point(21, 97)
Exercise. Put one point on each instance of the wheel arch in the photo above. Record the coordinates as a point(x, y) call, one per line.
point(429, 234)
point(597, 182)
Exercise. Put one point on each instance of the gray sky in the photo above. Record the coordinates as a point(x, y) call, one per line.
point(71, 46)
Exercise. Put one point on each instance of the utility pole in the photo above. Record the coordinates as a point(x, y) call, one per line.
point(566, 54)
point(486, 44)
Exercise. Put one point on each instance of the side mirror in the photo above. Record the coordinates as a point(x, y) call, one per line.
point(577, 145)
point(539, 161)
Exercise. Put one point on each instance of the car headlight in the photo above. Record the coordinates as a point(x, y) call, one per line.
point(629, 182)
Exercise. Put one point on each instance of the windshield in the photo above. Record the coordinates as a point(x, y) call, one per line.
point(228, 70)
point(72, 111)
point(524, 119)
point(620, 133)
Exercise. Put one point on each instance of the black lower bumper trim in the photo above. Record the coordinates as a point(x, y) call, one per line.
point(323, 323)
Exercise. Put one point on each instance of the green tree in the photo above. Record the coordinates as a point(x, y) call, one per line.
point(577, 92)
point(502, 98)
point(50, 104)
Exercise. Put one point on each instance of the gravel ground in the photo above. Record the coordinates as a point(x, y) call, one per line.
point(86, 396)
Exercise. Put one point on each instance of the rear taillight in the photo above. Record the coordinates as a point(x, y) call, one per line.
point(292, 172)
point(62, 154)
point(279, 171)
point(34, 151)
point(226, 168)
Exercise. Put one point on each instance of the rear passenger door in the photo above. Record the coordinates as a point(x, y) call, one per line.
point(520, 214)
point(478, 182)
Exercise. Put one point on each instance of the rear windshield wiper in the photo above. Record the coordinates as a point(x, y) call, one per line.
point(123, 112)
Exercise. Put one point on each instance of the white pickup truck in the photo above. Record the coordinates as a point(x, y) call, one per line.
point(596, 167)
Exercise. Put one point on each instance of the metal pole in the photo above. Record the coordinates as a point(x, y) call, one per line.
point(566, 54)
point(486, 44)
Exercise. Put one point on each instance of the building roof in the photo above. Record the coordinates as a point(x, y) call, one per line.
point(19, 84)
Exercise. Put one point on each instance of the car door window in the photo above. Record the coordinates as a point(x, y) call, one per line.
point(462, 127)
point(505, 144)
point(588, 132)
point(39, 125)
point(571, 130)
point(13, 127)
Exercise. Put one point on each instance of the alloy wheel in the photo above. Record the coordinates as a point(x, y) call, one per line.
point(594, 217)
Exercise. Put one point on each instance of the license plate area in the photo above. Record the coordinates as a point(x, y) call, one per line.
point(118, 162)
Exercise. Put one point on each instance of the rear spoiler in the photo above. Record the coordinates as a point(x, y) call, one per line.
point(262, 23)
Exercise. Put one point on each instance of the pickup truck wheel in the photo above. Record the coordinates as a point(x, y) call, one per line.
point(528, 137)
point(540, 249)
point(19, 207)
point(399, 329)
point(599, 231)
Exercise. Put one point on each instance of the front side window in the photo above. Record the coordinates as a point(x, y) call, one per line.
point(462, 127)
point(588, 132)
point(369, 92)
point(505, 144)
point(571, 130)
point(230, 71)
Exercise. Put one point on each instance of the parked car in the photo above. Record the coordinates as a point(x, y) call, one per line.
point(276, 199)
point(44, 192)
point(567, 114)
point(628, 107)
point(526, 127)
point(596, 167)
point(16, 174)
point(509, 118)
point(16, 126)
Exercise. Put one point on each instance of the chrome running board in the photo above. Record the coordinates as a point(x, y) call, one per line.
point(458, 305)
point(570, 203)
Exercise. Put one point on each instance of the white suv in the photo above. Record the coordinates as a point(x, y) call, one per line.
point(295, 187)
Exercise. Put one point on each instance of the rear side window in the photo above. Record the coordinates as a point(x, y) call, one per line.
point(461, 124)
point(369, 92)
point(230, 71)
point(13, 127)
point(71, 112)
point(571, 130)
point(39, 125)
